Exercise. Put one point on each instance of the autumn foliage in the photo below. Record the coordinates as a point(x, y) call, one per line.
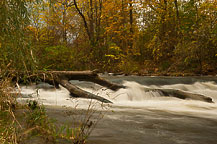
point(128, 36)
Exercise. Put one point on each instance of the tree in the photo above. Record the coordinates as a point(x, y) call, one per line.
point(107, 33)
point(14, 45)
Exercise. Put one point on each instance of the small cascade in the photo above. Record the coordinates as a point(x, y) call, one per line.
point(134, 92)
point(134, 95)
point(138, 92)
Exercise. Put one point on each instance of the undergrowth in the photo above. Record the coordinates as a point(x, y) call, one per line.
point(34, 121)
point(8, 121)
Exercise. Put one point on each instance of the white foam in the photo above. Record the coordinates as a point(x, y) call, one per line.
point(134, 96)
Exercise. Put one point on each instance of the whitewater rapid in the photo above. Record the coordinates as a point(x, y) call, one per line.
point(133, 96)
point(137, 116)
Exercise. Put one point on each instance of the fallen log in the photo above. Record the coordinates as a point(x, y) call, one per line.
point(77, 92)
point(62, 78)
point(90, 76)
point(57, 78)
point(180, 94)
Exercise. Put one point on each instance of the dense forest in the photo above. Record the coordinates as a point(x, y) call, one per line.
point(130, 36)
point(145, 37)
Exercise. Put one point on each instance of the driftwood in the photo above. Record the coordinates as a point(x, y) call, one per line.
point(180, 94)
point(77, 92)
point(62, 78)
point(90, 76)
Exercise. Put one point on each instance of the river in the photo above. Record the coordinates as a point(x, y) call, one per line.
point(139, 117)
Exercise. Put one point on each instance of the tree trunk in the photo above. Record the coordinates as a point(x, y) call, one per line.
point(131, 26)
point(77, 92)
point(180, 94)
point(62, 78)
point(90, 76)
point(64, 33)
point(83, 18)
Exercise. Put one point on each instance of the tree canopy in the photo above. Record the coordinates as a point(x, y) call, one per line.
point(110, 35)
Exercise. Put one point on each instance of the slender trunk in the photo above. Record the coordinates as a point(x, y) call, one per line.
point(123, 23)
point(83, 18)
point(177, 11)
point(98, 19)
point(178, 32)
point(163, 23)
point(64, 22)
point(91, 23)
point(131, 25)
point(131, 16)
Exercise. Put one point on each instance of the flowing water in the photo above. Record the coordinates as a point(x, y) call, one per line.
point(138, 117)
